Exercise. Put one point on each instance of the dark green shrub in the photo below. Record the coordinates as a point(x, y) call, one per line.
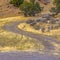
point(30, 9)
point(56, 9)
point(16, 3)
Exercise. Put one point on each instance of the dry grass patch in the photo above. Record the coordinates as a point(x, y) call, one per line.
point(11, 42)
point(27, 27)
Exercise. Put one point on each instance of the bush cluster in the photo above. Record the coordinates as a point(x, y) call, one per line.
point(28, 8)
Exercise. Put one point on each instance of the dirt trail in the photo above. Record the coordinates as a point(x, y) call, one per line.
point(45, 40)
point(25, 56)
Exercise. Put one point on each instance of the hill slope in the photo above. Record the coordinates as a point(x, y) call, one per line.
point(7, 10)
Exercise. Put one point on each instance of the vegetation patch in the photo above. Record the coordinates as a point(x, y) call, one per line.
point(10, 41)
point(45, 26)
point(27, 27)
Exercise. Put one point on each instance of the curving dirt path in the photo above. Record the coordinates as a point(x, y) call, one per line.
point(26, 56)
point(45, 40)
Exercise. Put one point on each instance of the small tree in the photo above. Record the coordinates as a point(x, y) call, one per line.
point(30, 8)
point(55, 10)
point(32, 1)
point(57, 4)
point(16, 3)
point(25, 8)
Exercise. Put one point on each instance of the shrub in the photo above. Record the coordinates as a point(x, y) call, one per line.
point(30, 9)
point(56, 9)
point(16, 3)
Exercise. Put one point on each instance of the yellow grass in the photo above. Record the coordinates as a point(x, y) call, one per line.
point(27, 27)
point(10, 41)
point(6, 49)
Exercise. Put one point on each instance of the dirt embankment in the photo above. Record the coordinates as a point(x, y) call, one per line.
point(7, 10)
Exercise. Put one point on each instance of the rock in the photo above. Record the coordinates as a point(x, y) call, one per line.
point(46, 16)
point(37, 20)
point(33, 23)
point(29, 21)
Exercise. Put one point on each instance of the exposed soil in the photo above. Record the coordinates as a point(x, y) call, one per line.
point(8, 10)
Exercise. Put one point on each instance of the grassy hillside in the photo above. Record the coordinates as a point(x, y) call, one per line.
point(7, 10)
point(10, 41)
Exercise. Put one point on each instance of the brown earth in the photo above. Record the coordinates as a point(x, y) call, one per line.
point(8, 10)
